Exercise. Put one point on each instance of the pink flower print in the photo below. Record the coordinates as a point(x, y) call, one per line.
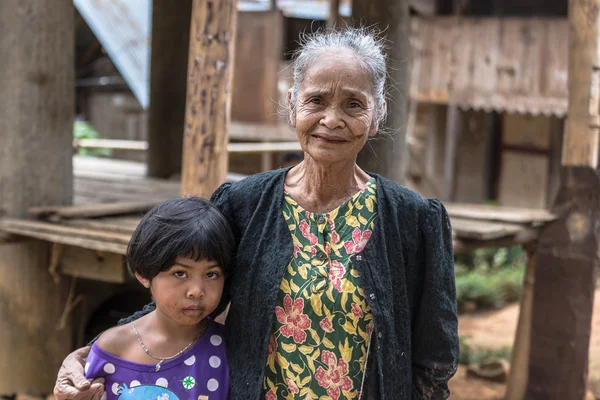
point(335, 377)
point(326, 325)
point(294, 321)
point(335, 238)
point(336, 273)
point(357, 311)
point(305, 229)
point(296, 251)
point(359, 240)
point(292, 386)
point(271, 395)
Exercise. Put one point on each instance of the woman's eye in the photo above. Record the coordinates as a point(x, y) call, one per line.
point(315, 100)
point(179, 274)
point(354, 104)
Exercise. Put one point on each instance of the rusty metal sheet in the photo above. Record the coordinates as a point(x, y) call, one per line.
point(505, 64)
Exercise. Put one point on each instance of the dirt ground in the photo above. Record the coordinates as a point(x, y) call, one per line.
point(496, 329)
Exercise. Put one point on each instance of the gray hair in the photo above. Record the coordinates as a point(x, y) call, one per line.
point(367, 46)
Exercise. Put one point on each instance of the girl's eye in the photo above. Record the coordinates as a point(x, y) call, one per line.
point(179, 274)
point(212, 275)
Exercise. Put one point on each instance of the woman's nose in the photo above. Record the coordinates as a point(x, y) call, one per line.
point(332, 118)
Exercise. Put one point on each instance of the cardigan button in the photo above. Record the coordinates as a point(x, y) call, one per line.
point(320, 219)
point(380, 335)
point(359, 258)
point(372, 296)
point(321, 256)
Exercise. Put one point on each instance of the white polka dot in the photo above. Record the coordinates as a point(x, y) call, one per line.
point(104, 396)
point(115, 388)
point(190, 361)
point(212, 385)
point(162, 382)
point(216, 340)
point(134, 384)
point(109, 368)
point(214, 361)
point(87, 367)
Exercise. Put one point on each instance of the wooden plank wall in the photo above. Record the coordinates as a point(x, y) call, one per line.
point(258, 51)
point(524, 170)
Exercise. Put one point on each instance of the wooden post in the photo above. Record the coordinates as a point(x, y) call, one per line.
point(519, 363)
point(567, 257)
point(453, 133)
point(385, 155)
point(36, 133)
point(334, 14)
point(168, 65)
point(208, 102)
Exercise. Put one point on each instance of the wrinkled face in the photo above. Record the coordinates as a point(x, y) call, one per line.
point(189, 291)
point(335, 108)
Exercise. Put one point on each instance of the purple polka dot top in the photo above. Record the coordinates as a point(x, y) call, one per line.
point(201, 373)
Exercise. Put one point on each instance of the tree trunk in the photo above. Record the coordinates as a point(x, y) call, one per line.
point(36, 133)
point(208, 104)
point(388, 155)
point(168, 65)
point(567, 257)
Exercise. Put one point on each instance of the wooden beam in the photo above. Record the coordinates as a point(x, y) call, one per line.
point(567, 256)
point(92, 210)
point(168, 64)
point(91, 264)
point(208, 102)
point(385, 155)
point(140, 145)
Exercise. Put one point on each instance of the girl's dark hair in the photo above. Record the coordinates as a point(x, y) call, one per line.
point(184, 227)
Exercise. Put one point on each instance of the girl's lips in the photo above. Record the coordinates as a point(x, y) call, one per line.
point(193, 310)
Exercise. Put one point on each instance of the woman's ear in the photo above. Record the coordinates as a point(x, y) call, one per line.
point(145, 282)
point(291, 109)
point(377, 120)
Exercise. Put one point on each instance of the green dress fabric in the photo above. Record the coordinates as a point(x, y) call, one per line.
point(320, 337)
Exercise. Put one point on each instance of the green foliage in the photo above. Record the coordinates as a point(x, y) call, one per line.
point(470, 354)
point(489, 278)
point(85, 130)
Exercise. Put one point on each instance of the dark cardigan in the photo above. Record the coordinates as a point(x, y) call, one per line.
point(406, 270)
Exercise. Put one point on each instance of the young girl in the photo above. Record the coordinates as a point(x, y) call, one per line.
point(182, 251)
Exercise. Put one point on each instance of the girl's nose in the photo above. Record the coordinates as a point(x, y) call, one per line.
point(195, 290)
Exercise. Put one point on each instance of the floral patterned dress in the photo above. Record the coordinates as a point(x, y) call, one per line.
point(320, 338)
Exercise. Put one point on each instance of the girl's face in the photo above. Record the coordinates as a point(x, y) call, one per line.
point(189, 291)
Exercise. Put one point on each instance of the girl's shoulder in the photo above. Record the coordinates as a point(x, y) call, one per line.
point(117, 341)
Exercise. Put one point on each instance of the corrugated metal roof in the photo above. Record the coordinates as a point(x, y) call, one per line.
point(513, 64)
point(123, 29)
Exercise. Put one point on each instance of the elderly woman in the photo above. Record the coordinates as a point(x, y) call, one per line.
point(343, 286)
